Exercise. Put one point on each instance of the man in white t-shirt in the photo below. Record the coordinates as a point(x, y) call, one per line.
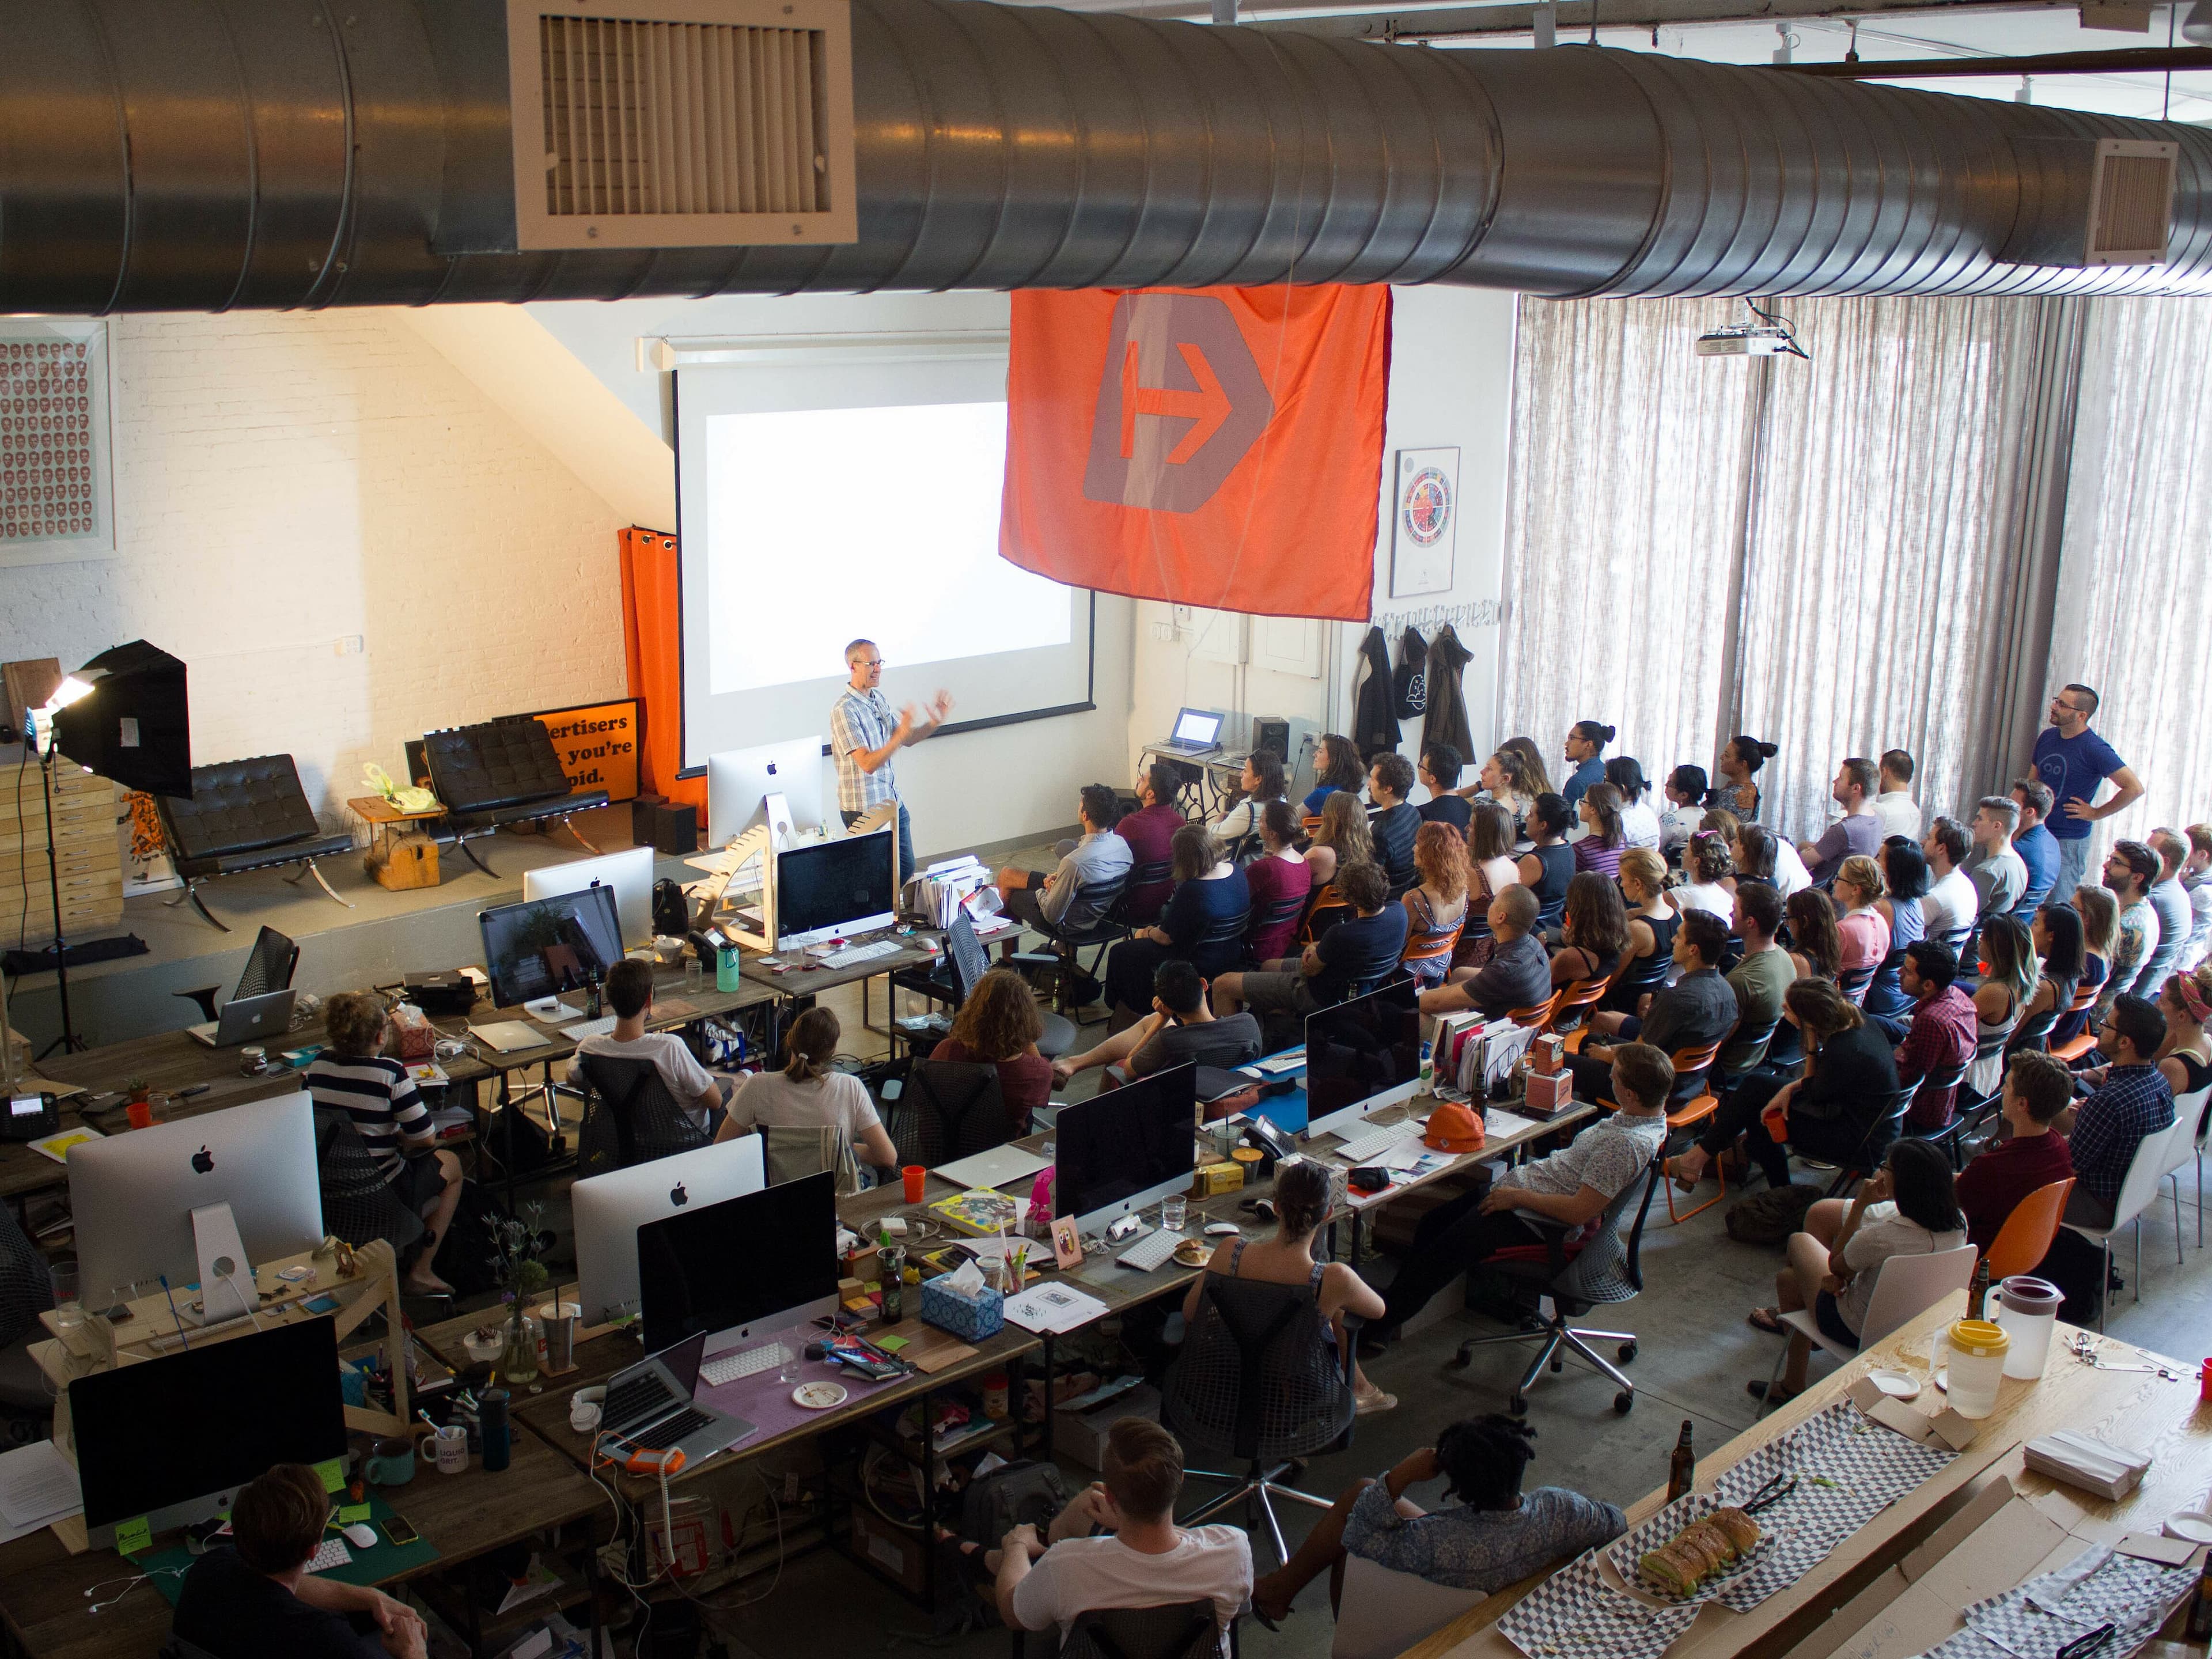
point(1947, 910)
point(1899, 813)
point(1140, 1559)
point(704, 1097)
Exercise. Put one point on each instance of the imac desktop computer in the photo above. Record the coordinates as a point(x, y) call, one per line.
point(752, 1274)
point(1120, 1152)
point(739, 782)
point(609, 1209)
point(173, 1439)
point(537, 949)
point(834, 889)
point(1362, 1055)
point(166, 1202)
point(628, 875)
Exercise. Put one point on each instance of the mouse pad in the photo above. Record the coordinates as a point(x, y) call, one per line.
point(375, 1566)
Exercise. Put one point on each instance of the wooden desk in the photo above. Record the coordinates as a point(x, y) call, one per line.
point(2140, 1409)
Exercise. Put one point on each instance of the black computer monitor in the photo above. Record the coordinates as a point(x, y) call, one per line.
point(828, 890)
point(741, 1271)
point(1363, 1055)
point(1132, 1146)
point(541, 947)
point(173, 1438)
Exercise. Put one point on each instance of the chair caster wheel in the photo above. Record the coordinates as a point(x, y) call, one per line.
point(1517, 1404)
point(1459, 1361)
point(1627, 1352)
point(1622, 1402)
point(1559, 1365)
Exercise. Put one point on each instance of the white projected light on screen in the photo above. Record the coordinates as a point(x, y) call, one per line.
point(829, 522)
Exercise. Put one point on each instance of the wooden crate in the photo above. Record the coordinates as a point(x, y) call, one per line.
point(87, 857)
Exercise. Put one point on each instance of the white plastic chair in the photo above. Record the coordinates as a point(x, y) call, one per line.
point(2190, 1120)
point(1905, 1287)
point(1383, 1612)
point(2138, 1188)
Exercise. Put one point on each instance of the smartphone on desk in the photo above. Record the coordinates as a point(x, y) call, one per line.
point(398, 1532)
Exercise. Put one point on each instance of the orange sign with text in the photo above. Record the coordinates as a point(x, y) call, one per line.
point(597, 745)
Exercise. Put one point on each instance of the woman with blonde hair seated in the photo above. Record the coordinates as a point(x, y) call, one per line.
point(1652, 920)
point(1437, 907)
point(999, 1026)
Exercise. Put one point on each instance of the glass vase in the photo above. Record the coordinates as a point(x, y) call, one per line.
point(520, 1362)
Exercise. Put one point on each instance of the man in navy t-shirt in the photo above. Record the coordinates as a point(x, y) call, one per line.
point(2073, 761)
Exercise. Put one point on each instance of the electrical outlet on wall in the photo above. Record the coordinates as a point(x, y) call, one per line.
point(351, 645)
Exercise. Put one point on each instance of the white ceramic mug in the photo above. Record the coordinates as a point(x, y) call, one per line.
point(448, 1448)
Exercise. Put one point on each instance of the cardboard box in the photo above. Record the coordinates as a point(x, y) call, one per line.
point(1213, 1179)
point(1080, 1425)
point(1551, 1093)
point(895, 1551)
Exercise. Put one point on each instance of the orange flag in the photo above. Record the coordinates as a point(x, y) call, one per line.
point(1219, 447)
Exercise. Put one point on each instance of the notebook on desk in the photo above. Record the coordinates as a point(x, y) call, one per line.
point(1002, 1166)
point(508, 1035)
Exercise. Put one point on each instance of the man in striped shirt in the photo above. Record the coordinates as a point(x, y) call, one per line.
point(864, 735)
point(353, 1076)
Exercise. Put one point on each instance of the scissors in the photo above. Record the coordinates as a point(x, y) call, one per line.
point(1778, 1487)
point(2083, 1645)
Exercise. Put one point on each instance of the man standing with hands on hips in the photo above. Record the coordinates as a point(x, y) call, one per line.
point(864, 735)
point(2073, 761)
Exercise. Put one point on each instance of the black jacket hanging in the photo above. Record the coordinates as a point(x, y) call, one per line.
point(1446, 722)
point(1374, 724)
point(1409, 684)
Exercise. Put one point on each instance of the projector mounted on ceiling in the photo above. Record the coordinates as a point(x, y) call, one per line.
point(1739, 341)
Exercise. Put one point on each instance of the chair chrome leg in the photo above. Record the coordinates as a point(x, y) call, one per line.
point(1274, 1527)
point(569, 824)
point(193, 892)
point(470, 852)
point(1607, 1366)
point(1277, 1489)
point(326, 887)
point(1774, 1380)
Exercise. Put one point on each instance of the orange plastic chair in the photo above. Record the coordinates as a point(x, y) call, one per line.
point(2074, 1049)
point(1693, 1112)
point(1581, 994)
point(2026, 1236)
point(1540, 1014)
point(1432, 945)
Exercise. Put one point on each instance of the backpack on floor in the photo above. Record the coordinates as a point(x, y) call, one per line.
point(1769, 1217)
point(1025, 1491)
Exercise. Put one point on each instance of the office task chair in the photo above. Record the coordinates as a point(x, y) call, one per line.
point(502, 772)
point(950, 1109)
point(629, 1117)
point(246, 815)
point(1258, 1379)
point(25, 1293)
point(269, 967)
point(358, 1203)
point(1601, 1268)
point(1905, 1287)
point(1093, 918)
point(1177, 1630)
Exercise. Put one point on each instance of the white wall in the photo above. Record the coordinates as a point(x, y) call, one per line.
point(287, 483)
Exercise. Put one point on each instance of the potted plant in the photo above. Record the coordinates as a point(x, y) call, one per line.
point(518, 1245)
point(138, 1092)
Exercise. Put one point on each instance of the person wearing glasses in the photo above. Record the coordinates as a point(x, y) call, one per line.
point(2131, 1099)
point(864, 735)
point(2074, 764)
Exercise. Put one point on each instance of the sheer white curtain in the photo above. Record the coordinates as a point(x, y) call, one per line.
point(2134, 617)
point(1623, 523)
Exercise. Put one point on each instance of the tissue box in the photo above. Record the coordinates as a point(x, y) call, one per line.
point(972, 1318)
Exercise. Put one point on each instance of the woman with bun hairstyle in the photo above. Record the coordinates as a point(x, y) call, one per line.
point(1741, 757)
point(1586, 742)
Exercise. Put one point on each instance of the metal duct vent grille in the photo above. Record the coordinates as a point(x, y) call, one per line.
point(681, 124)
point(2134, 203)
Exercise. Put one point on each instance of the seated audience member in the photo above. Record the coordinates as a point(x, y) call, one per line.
point(1941, 1037)
point(1435, 909)
point(352, 1075)
point(1139, 1557)
point(2197, 878)
point(1277, 876)
point(1182, 1028)
point(1571, 1187)
point(1603, 841)
point(808, 1094)
point(1147, 832)
point(2133, 1100)
point(1203, 924)
point(2185, 1056)
point(1759, 854)
point(1585, 749)
point(1917, 1178)
point(1518, 973)
point(1639, 824)
point(1532, 764)
point(1261, 782)
point(999, 1026)
point(2100, 931)
point(1441, 765)
point(1496, 1535)
point(2056, 940)
point(252, 1596)
point(1336, 766)
point(1300, 1199)
point(1737, 790)
point(1685, 789)
point(1390, 820)
point(1899, 813)
point(1593, 932)
point(2000, 999)
point(1828, 1114)
point(1999, 874)
point(1491, 872)
point(1947, 912)
point(1857, 831)
point(1357, 953)
point(1816, 944)
point(1342, 839)
point(2036, 1090)
point(1548, 866)
point(2037, 847)
point(1697, 1011)
point(1048, 901)
point(1904, 879)
point(1652, 920)
point(1506, 779)
point(1706, 868)
point(2169, 899)
point(2130, 869)
point(1759, 978)
point(1861, 928)
point(629, 998)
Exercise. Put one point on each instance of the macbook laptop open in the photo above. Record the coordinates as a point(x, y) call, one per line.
point(649, 1406)
point(245, 1018)
point(1197, 732)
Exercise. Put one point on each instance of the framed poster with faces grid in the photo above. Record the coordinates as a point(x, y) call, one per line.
point(57, 494)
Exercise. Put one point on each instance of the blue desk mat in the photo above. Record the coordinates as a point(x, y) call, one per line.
point(381, 1562)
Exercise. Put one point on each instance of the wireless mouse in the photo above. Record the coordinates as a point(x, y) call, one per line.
point(360, 1535)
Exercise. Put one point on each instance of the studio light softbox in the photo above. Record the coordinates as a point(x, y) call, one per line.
point(135, 725)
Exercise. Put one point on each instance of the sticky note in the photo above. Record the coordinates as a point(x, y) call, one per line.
point(891, 1343)
point(349, 1513)
point(133, 1537)
point(334, 1474)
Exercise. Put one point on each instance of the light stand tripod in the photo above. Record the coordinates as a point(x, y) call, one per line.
point(68, 1041)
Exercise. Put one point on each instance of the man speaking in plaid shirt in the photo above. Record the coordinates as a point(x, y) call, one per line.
point(864, 735)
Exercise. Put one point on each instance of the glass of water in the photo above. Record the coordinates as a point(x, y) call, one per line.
point(1174, 1211)
point(68, 1310)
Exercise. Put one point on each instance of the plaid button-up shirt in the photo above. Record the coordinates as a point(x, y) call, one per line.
point(2134, 1102)
point(859, 720)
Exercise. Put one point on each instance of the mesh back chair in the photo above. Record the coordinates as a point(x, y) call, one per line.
point(2025, 1239)
point(950, 1109)
point(1905, 1287)
point(1874, 1145)
point(1092, 918)
point(1180, 1630)
point(502, 772)
point(269, 967)
point(359, 1204)
point(629, 1117)
point(792, 1152)
point(246, 815)
point(1603, 1268)
point(1259, 1380)
point(25, 1293)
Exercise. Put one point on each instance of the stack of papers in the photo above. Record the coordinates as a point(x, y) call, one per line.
point(2097, 1466)
point(38, 1486)
point(1050, 1309)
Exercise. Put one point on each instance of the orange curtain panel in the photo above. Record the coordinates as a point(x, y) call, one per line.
point(653, 622)
point(1219, 447)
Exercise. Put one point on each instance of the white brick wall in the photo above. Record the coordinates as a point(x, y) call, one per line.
point(286, 480)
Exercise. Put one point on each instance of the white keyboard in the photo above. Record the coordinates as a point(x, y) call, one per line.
point(1150, 1251)
point(743, 1362)
point(850, 954)
point(589, 1028)
point(1372, 1145)
point(331, 1552)
point(1289, 1062)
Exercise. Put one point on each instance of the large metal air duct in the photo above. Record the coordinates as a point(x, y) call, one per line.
point(200, 155)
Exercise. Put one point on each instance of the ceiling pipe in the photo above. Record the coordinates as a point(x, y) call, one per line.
point(201, 154)
point(2151, 59)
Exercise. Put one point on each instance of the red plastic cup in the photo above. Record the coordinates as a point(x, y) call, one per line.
point(1777, 1121)
point(912, 1177)
point(141, 1112)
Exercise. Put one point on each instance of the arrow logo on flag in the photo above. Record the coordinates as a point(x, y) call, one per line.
point(1205, 409)
point(1181, 402)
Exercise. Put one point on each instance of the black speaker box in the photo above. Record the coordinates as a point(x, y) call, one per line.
point(1267, 733)
point(666, 826)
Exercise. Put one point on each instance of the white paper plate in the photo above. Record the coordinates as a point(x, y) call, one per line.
point(818, 1396)
point(1898, 1385)
point(2193, 1525)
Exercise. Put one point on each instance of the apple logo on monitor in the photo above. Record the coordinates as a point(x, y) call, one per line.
point(203, 1162)
point(771, 769)
point(677, 1196)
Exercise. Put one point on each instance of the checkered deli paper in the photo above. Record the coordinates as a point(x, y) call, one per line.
point(2096, 1587)
point(1576, 1614)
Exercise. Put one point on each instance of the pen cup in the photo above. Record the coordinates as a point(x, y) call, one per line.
point(912, 1177)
